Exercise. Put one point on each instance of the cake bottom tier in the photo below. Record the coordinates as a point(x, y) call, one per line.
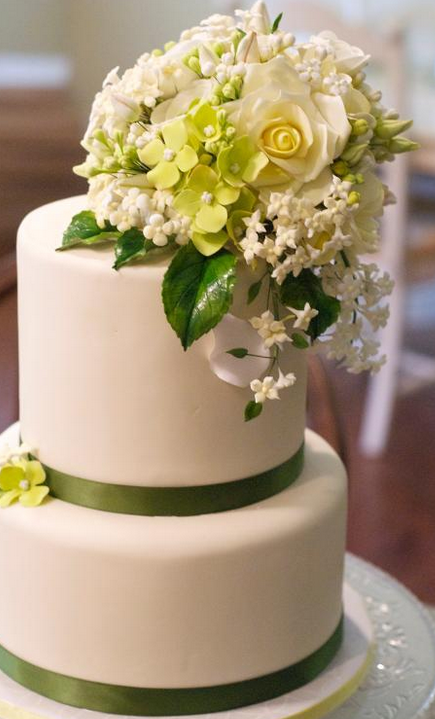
point(159, 615)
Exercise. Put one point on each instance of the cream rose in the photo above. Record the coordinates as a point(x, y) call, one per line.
point(300, 132)
point(347, 58)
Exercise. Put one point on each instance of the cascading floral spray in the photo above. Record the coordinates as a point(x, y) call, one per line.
point(239, 146)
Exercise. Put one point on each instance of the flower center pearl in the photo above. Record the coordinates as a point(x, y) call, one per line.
point(207, 198)
point(24, 485)
point(168, 154)
point(209, 130)
point(235, 168)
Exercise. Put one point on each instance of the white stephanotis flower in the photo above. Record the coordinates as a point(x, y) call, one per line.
point(248, 244)
point(304, 316)
point(285, 380)
point(253, 225)
point(300, 132)
point(264, 389)
point(269, 251)
point(271, 331)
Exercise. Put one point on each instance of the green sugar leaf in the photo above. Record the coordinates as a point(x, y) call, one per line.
point(84, 230)
point(131, 246)
point(276, 22)
point(253, 410)
point(307, 287)
point(239, 352)
point(197, 291)
point(299, 341)
point(253, 291)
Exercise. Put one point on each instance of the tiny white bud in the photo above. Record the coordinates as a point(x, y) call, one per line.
point(208, 69)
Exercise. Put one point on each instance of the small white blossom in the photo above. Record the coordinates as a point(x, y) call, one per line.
point(271, 331)
point(248, 245)
point(269, 251)
point(253, 224)
point(285, 380)
point(158, 229)
point(264, 389)
point(304, 316)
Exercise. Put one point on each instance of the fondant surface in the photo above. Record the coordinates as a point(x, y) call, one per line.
point(107, 392)
point(176, 602)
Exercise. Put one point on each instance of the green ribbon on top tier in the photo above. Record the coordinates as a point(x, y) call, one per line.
point(138, 701)
point(175, 501)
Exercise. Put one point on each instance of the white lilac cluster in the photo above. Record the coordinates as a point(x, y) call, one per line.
point(237, 138)
point(125, 205)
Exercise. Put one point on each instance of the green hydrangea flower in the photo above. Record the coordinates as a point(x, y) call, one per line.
point(205, 199)
point(241, 162)
point(170, 156)
point(23, 481)
point(205, 123)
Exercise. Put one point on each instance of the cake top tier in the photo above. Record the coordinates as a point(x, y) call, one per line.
point(107, 392)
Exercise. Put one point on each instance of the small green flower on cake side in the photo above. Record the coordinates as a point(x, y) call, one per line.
point(238, 148)
point(21, 478)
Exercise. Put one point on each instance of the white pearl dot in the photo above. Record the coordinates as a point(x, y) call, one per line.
point(207, 198)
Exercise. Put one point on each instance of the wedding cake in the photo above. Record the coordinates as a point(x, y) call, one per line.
point(172, 543)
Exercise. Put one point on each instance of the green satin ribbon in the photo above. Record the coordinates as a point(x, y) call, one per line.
point(175, 501)
point(169, 702)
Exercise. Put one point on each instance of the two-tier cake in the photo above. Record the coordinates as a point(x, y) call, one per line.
point(189, 555)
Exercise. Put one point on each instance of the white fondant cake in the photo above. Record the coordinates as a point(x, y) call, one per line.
point(107, 394)
point(185, 561)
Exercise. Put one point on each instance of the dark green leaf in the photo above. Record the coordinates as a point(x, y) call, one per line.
point(307, 287)
point(132, 245)
point(253, 410)
point(197, 291)
point(276, 22)
point(299, 341)
point(239, 352)
point(253, 291)
point(84, 230)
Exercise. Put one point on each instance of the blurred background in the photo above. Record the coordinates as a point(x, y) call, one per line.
point(54, 55)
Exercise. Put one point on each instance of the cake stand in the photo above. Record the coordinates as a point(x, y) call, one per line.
point(394, 679)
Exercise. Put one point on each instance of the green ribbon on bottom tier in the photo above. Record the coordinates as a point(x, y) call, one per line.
point(175, 501)
point(169, 702)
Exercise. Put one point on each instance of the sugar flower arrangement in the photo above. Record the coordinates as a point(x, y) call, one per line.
point(238, 147)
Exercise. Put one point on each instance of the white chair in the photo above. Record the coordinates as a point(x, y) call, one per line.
point(387, 51)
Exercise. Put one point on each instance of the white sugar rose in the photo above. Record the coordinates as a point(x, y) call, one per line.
point(300, 132)
point(347, 58)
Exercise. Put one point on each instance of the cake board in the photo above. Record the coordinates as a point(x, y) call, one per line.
point(385, 668)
